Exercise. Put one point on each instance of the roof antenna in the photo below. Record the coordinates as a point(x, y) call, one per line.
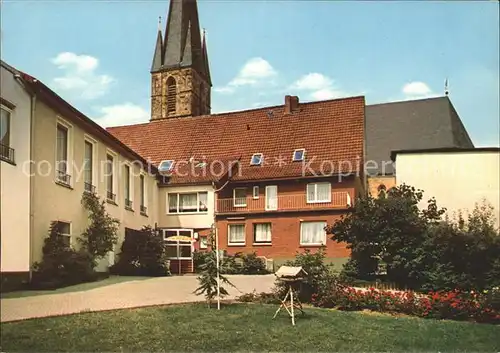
point(446, 91)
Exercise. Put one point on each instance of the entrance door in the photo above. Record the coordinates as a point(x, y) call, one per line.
point(271, 197)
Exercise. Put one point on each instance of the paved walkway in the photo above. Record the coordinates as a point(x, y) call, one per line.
point(155, 291)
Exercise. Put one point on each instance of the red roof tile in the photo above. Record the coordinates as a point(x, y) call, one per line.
point(330, 131)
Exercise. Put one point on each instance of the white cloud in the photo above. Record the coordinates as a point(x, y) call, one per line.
point(122, 114)
point(255, 71)
point(417, 89)
point(80, 78)
point(319, 87)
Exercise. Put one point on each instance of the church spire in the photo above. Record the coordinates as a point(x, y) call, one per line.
point(204, 54)
point(158, 55)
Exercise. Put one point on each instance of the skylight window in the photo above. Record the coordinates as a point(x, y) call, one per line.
point(201, 164)
point(166, 166)
point(256, 159)
point(298, 155)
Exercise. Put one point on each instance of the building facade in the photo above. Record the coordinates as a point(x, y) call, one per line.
point(15, 180)
point(459, 179)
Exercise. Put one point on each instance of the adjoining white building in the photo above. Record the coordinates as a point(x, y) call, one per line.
point(458, 178)
point(15, 182)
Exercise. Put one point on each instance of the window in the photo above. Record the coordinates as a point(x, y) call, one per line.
point(64, 229)
point(62, 155)
point(6, 153)
point(178, 248)
point(298, 155)
point(236, 234)
point(88, 170)
point(203, 242)
point(190, 202)
point(166, 166)
point(171, 95)
point(312, 233)
point(319, 192)
point(201, 164)
point(256, 159)
point(262, 232)
point(255, 192)
point(142, 187)
point(110, 195)
point(240, 197)
point(128, 198)
point(271, 198)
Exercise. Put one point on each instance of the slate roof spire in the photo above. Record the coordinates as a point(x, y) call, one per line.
point(182, 46)
point(206, 66)
point(158, 55)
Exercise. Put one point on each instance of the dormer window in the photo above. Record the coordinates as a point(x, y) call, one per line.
point(298, 155)
point(256, 159)
point(166, 166)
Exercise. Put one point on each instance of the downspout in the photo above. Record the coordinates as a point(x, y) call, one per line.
point(32, 170)
point(32, 181)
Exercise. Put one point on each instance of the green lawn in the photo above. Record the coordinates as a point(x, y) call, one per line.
point(243, 327)
point(75, 288)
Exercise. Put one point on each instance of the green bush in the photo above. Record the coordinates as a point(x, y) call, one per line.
point(419, 250)
point(143, 253)
point(208, 279)
point(61, 265)
point(319, 275)
point(252, 264)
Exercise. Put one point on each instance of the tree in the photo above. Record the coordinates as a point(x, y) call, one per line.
point(390, 229)
point(208, 278)
point(101, 235)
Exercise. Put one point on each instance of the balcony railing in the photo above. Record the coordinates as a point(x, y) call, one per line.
point(6, 153)
point(110, 196)
point(297, 202)
point(88, 187)
point(63, 177)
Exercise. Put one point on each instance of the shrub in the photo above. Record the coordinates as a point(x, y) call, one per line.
point(61, 265)
point(261, 298)
point(143, 253)
point(252, 264)
point(199, 259)
point(102, 233)
point(455, 305)
point(319, 275)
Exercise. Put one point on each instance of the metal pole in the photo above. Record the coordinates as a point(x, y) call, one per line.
point(218, 260)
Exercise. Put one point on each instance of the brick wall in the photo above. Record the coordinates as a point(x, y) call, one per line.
point(285, 234)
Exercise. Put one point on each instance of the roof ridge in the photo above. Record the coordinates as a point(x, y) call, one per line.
point(409, 100)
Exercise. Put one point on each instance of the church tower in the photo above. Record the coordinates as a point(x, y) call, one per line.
point(180, 74)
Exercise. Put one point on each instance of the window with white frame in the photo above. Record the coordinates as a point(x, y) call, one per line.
point(262, 233)
point(64, 229)
point(313, 233)
point(195, 202)
point(236, 234)
point(88, 167)
point(255, 192)
point(127, 178)
point(319, 192)
point(177, 248)
point(110, 171)
point(203, 242)
point(6, 152)
point(256, 159)
point(240, 197)
point(62, 152)
point(298, 155)
point(143, 196)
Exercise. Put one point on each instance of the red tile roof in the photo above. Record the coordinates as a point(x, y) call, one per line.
point(330, 131)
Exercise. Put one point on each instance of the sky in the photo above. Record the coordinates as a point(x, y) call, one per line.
point(97, 54)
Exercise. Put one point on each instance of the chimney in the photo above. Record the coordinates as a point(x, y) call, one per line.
point(291, 104)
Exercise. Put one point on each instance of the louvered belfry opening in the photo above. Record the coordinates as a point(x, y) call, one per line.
point(171, 95)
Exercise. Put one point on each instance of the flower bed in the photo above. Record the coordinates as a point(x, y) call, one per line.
point(456, 305)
